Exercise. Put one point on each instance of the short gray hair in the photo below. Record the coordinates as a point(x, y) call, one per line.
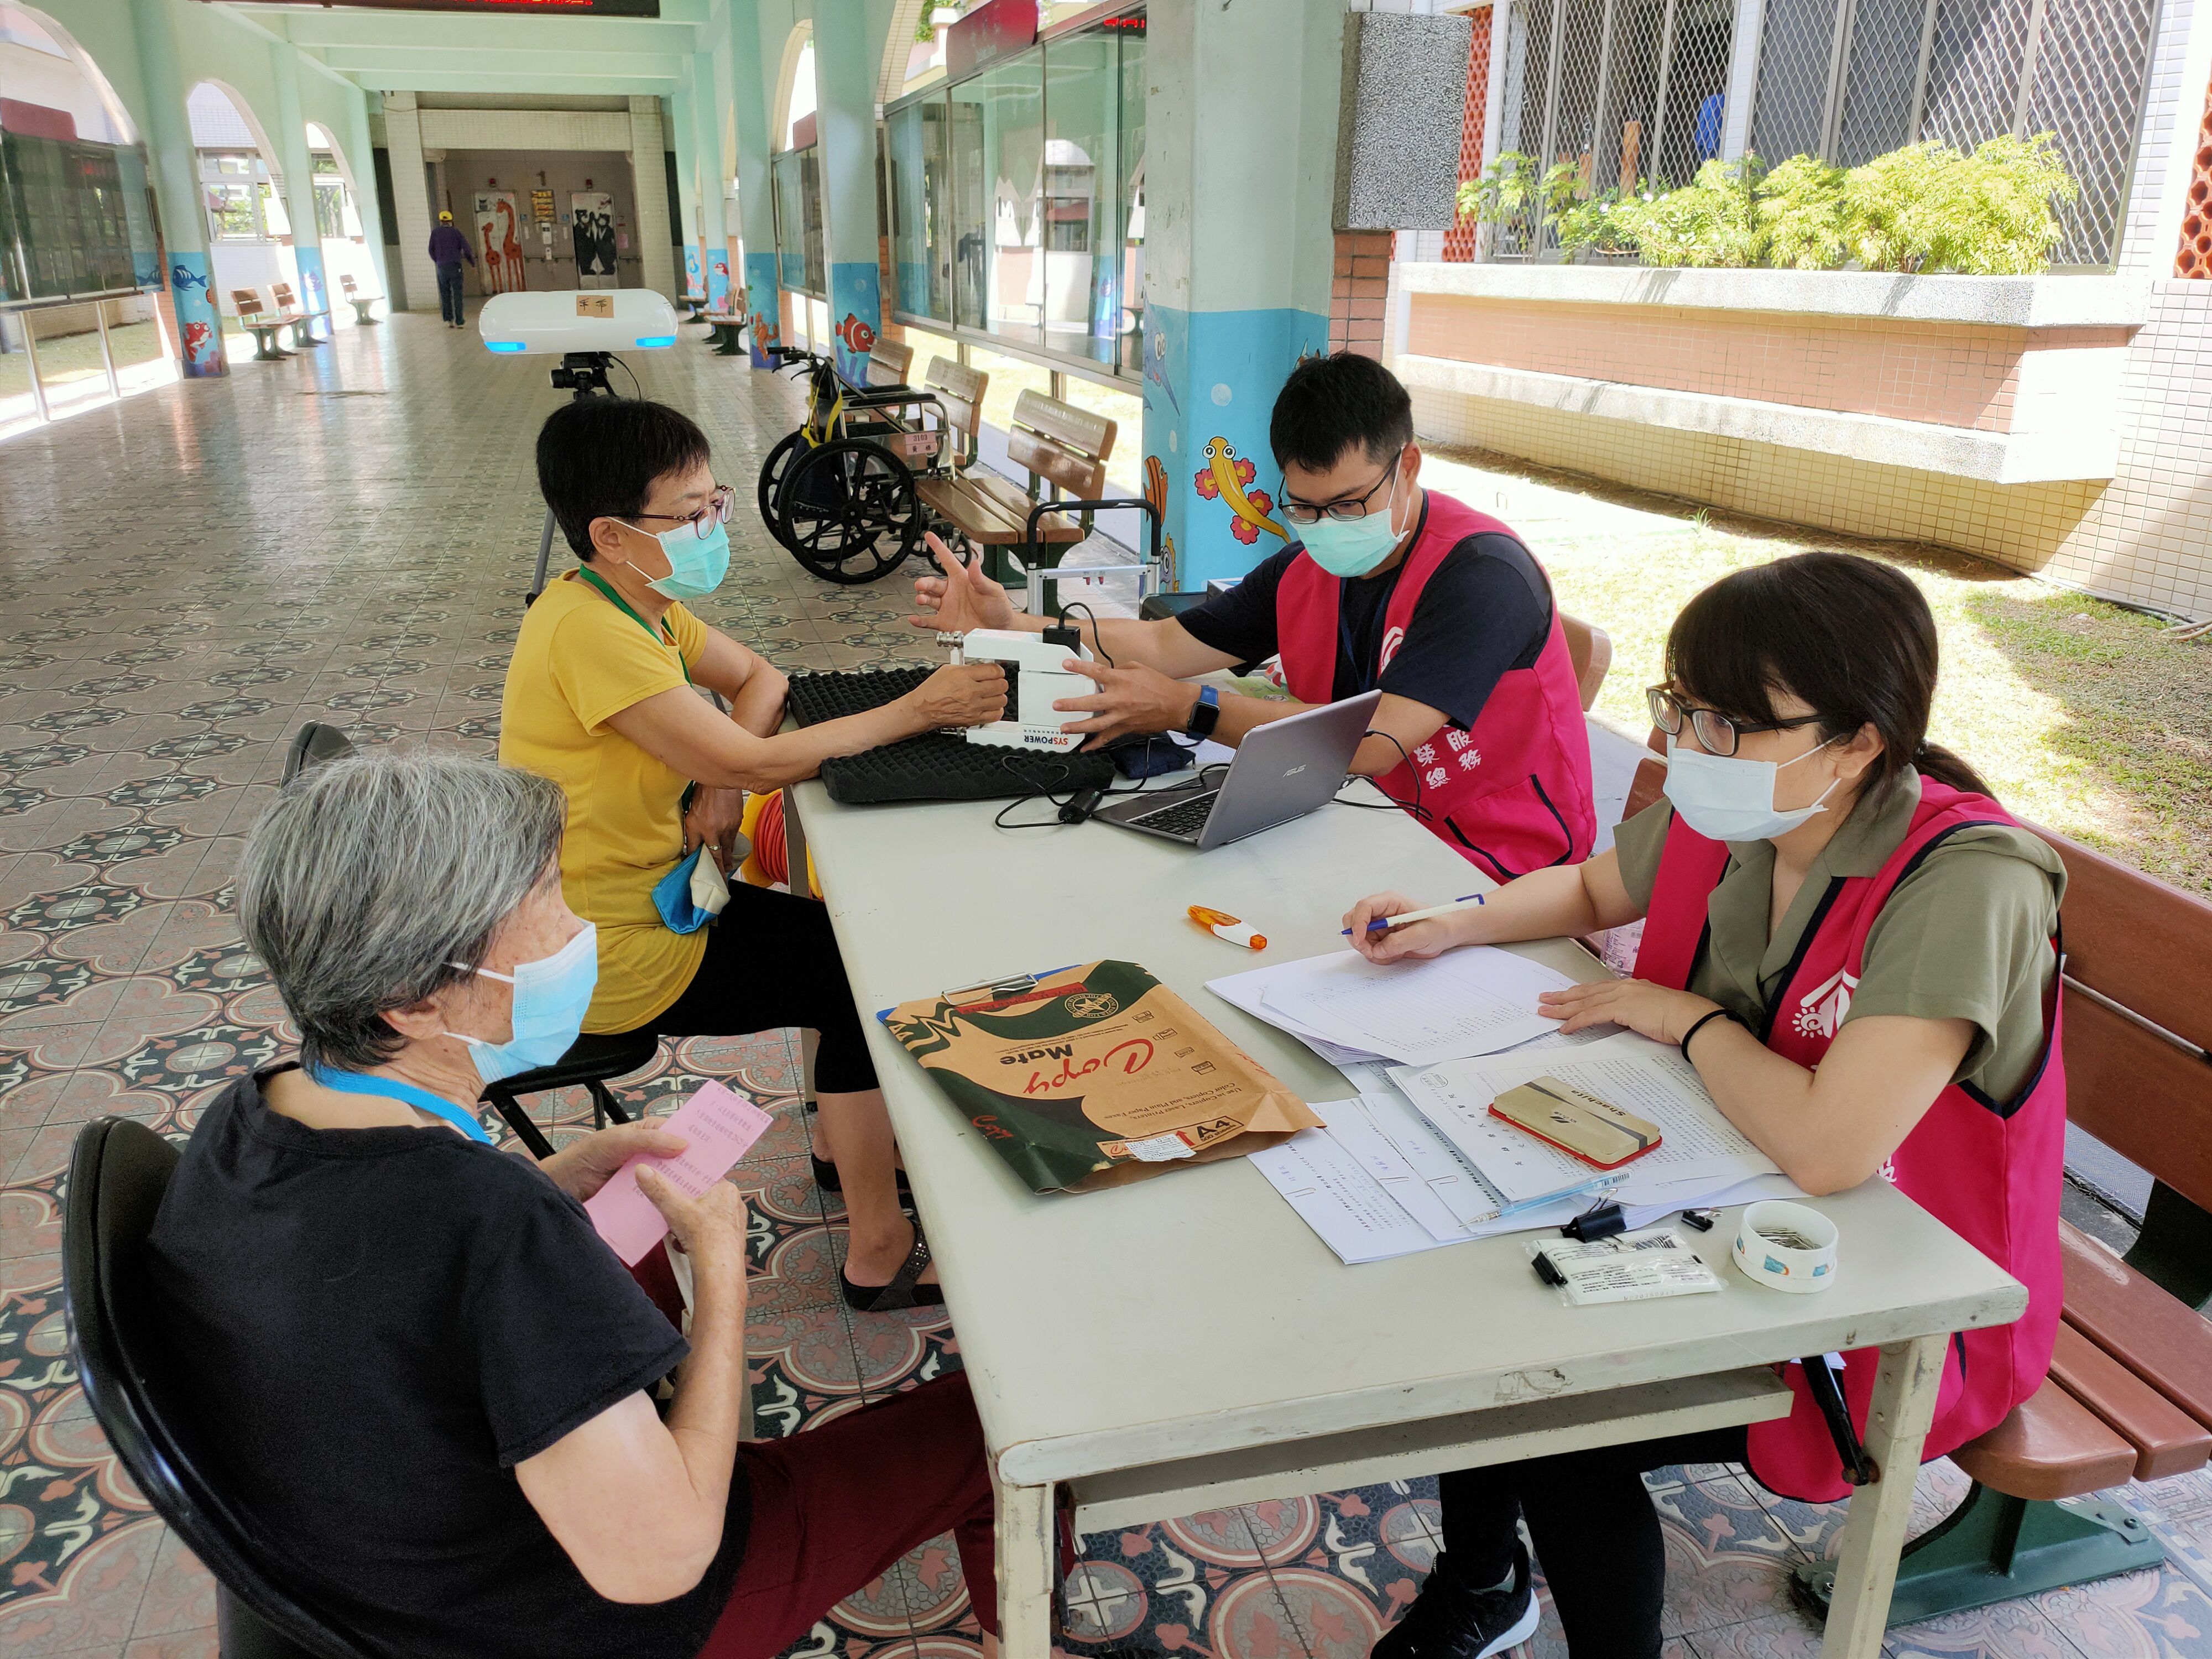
point(372, 875)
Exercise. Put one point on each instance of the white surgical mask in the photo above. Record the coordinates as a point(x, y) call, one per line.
point(1727, 797)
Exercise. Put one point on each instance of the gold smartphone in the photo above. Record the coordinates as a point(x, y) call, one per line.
point(1595, 1131)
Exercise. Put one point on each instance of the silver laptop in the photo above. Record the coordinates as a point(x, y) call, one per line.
point(1283, 770)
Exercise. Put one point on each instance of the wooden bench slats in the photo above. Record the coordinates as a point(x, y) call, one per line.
point(1082, 477)
point(2052, 1446)
point(889, 363)
point(1078, 429)
point(960, 390)
point(2167, 1345)
point(1589, 649)
point(2145, 944)
point(2147, 1099)
point(981, 519)
point(2167, 1439)
point(1016, 503)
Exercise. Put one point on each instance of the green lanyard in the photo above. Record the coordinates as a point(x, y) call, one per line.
point(623, 605)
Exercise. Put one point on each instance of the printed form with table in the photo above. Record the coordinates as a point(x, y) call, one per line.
point(1417, 1160)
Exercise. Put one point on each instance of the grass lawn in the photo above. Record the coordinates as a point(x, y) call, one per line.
point(2089, 718)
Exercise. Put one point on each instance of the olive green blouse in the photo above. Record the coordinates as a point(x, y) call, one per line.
point(1966, 935)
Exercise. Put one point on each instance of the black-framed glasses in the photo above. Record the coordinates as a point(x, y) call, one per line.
point(1716, 732)
point(1345, 508)
point(720, 506)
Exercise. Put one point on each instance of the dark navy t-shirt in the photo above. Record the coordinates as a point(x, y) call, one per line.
point(371, 1328)
point(1485, 611)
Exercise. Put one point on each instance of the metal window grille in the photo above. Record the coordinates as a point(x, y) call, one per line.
point(1850, 80)
point(1632, 98)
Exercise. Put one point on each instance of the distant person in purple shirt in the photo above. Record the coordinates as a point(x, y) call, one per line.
point(448, 248)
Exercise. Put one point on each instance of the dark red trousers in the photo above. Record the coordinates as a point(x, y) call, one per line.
point(835, 1507)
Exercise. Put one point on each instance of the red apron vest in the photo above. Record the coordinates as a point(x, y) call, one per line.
point(1512, 794)
point(1989, 1170)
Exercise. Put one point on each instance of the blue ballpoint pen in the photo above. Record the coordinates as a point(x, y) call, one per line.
point(1383, 924)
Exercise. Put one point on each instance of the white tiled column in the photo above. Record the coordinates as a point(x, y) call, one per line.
point(649, 179)
point(411, 199)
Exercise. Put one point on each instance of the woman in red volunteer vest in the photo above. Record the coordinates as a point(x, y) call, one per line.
point(1855, 945)
point(1382, 585)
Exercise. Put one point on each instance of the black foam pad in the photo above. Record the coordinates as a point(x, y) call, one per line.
point(936, 765)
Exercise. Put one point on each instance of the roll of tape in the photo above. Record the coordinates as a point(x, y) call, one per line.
point(1786, 1246)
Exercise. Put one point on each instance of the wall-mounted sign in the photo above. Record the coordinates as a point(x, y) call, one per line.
point(541, 206)
point(1123, 22)
point(988, 33)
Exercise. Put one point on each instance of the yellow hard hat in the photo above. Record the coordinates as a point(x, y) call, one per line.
point(446, 216)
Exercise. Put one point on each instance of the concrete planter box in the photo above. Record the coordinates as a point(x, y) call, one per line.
point(2006, 380)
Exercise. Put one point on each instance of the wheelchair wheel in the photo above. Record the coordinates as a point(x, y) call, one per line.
point(849, 511)
point(772, 473)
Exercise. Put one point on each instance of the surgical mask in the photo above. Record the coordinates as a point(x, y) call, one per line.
point(550, 996)
point(1354, 547)
point(696, 563)
point(1726, 798)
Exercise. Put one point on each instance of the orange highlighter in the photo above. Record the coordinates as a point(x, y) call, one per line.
point(1222, 924)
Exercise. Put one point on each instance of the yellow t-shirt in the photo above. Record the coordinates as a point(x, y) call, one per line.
point(578, 661)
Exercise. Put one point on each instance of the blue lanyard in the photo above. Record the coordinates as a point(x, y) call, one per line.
point(360, 1083)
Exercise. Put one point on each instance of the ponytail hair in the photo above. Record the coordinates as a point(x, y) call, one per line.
point(1851, 638)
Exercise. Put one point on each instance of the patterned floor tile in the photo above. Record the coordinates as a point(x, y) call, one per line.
point(2141, 1615)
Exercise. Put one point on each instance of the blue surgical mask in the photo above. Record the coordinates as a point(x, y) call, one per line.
point(1726, 798)
point(1354, 547)
point(696, 563)
point(550, 997)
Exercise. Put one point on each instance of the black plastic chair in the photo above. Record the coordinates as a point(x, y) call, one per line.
point(118, 1174)
point(591, 1062)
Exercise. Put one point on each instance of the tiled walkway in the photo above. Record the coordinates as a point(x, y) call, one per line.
point(188, 576)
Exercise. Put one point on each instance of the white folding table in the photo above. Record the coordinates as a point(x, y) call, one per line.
point(1187, 1342)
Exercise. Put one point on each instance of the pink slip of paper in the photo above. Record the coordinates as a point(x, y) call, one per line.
point(720, 1126)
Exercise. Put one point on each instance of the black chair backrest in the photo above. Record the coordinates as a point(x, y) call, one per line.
point(118, 1175)
point(311, 744)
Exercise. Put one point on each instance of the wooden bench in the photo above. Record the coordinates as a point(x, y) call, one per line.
point(726, 332)
point(890, 362)
point(263, 324)
point(1589, 648)
point(2130, 1392)
point(303, 328)
point(1058, 444)
point(361, 303)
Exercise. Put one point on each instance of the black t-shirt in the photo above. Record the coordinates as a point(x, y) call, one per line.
point(1486, 610)
point(371, 1329)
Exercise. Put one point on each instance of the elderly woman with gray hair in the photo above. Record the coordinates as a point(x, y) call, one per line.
point(419, 1371)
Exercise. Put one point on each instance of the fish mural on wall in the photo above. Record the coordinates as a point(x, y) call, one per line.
point(1155, 492)
point(1224, 478)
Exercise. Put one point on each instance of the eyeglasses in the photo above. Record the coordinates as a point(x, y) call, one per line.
point(1716, 732)
point(1345, 509)
point(720, 506)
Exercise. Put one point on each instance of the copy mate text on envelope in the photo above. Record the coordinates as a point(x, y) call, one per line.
point(720, 1126)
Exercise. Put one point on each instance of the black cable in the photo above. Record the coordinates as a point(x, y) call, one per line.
point(1097, 638)
point(1391, 803)
point(633, 384)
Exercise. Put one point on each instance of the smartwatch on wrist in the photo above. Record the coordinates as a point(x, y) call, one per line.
point(1206, 714)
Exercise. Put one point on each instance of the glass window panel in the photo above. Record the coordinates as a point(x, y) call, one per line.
point(72, 370)
point(273, 214)
point(1125, 467)
point(231, 217)
point(810, 183)
point(1009, 377)
point(927, 347)
point(999, 185)
point(1082, 233)
point(921, 190)
point(790, 216)
point(134, 336)
point(1130, 164)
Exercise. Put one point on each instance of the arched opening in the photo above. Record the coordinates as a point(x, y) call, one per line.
point(339, 225)
point(79, 249)
point(797, 179)
point(249, 225)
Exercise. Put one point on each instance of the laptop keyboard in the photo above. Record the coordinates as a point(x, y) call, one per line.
point(1185, 817)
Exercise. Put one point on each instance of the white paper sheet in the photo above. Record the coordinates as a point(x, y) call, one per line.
point(1442, 1168)
point(1353, 1125)
point(1335, 1194)
point(1473, 1001)
point(1247, 991)
point(1701, 1151)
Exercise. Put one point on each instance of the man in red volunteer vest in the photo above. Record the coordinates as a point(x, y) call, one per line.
point(1386, 586)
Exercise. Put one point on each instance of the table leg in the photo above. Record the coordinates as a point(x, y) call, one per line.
point(1028, 1557)
point(1874, 1531)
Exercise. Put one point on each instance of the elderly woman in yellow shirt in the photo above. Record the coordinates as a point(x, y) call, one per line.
point(600, 697)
